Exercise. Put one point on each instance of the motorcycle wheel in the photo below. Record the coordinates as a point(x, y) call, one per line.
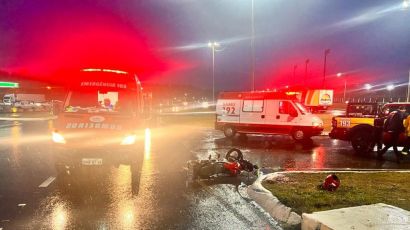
point(234, 154)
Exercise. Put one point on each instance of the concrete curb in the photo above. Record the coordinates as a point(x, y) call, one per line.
point(279, 211)
point(271, 204)
point(27, 118)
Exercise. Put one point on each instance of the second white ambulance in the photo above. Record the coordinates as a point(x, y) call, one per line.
point(265, 113)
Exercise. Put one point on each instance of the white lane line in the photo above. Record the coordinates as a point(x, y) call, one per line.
point(47, 182)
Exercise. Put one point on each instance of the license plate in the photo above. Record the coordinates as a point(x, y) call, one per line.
point(91, 161)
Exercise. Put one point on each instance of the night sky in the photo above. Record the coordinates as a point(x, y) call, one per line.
point(165, 41)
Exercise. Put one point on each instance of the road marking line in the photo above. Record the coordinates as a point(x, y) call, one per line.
point(47, 182)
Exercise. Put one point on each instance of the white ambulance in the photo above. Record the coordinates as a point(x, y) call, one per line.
point(265, 113)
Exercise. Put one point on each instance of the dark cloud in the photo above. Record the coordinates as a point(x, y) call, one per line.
point(166, 41)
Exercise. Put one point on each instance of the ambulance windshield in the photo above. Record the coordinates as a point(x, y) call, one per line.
point(301, 108)
point(115, 102)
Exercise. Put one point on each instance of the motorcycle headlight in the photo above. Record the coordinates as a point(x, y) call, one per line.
point(58, 138)
point(129, 140)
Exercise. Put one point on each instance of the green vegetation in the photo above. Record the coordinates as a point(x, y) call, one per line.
point(300, 190)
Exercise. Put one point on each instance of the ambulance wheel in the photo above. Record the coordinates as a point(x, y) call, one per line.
point(229, 131)
point(299, 135)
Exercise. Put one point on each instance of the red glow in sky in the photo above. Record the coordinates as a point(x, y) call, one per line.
point(77, 40)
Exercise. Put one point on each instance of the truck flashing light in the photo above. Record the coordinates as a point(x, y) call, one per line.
point(105, 70)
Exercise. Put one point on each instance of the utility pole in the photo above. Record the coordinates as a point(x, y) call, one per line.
point(253, 48)
point(408, 89)
point(327, 51)
point(213, 46)
point(306, 67)
point(294, 73)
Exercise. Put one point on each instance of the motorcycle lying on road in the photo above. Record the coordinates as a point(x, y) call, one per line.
point(232, 166)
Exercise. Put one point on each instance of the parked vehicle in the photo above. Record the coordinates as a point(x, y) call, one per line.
point(10, 99)
point(265, 113)
point(25, 101)
point(357, 125)
point(363, 125)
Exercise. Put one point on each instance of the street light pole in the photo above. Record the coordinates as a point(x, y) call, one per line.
point(327, 51)
point(253, 47)
point(344, 92)
point(213, 46)
point(345, 81)
point(408, 89)
point(294, 72)
point(306, 66)
point(213, 74)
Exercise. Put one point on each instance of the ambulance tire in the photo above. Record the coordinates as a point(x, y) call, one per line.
point(229, 131)
point(299, 135)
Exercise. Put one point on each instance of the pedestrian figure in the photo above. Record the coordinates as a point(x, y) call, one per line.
point(406, 124)
point(393, 127)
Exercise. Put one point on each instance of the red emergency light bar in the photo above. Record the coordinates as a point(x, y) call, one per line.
point(256, 95)
point(104, 70)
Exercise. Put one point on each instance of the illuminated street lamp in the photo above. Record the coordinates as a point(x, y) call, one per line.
point(367, 86)
point(390, 88)
point(213, 46)
point(344, 91)
point(406, 4)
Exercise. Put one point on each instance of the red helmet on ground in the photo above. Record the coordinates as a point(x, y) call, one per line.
point(331, 183)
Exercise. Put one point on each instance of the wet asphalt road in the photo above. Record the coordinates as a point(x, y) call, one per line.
point(33, 197)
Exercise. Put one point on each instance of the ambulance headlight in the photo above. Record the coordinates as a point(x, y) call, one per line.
point(317, 124)
point(58, 138)
point(129, 140)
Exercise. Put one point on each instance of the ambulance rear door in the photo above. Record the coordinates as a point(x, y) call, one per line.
point(228, 110)
point(252, 112)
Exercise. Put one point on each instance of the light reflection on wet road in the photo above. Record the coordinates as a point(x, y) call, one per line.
point(106, 201)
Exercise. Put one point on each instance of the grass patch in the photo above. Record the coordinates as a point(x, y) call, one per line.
point(300, 191)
